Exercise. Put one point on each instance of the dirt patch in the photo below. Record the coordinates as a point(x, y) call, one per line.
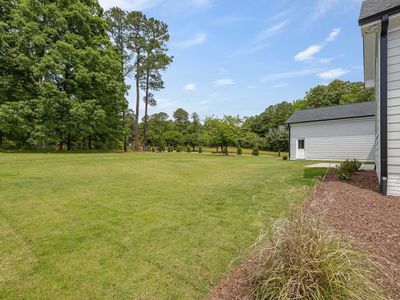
point(353, 209)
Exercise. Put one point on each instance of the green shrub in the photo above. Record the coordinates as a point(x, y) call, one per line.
point(161, 149)
point(188, 149)
point(255, 152)
point(239, 150)
point(347, 168)
point(200, 149)
point(298, 259)
point(170, 148)
point(153, 149)
point(285, 157)
point(179, 148)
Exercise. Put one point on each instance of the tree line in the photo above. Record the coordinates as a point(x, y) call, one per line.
point(266, 131)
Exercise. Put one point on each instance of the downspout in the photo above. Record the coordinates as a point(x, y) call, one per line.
point(383, 103)
point(289, 142)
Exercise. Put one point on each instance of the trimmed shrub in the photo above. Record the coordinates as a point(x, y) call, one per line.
point(170, 148)
point(153, 149)
point(200, 149)
point(255, 152)
point(298, 259)
point(161, 149)
point(347, 168)
point(239, 150)
point(179, 148)
point(188, 149)
point(285, 157)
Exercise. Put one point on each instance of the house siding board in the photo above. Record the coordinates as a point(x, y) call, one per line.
point(336, 140)
point(393, 113)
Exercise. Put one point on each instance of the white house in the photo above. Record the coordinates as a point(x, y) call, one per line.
point(367, 131)
point(380, 26)
point(333, 133)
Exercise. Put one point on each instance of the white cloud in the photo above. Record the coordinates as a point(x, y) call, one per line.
point(249, 50)
point(280, 85)
point(308, 54)
point(270, 31)
point(205, 102)
point(228, 20)
point(224, 82)
point(198, 39)
point(223, 71)
point(201, 3)
point(325, 6)
point(333, 35)
point(333, 74)
point(291, 74)
point(191, 87)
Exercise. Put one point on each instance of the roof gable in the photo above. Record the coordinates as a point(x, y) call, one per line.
point(358, 110)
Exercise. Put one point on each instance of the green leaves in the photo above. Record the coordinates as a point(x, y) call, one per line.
point(60, 83)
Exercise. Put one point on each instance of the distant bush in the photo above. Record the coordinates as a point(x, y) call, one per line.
point(285, 157)
point(170, 148)
point(297, 259)
point(179, 148)
point(239, 150)
point(188, 149)
point(200, 149)
point(347, 168)
point(153, 149)
point(161, 149)
point(255, 152)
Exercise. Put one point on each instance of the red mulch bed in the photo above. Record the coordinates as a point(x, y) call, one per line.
point(353, 209)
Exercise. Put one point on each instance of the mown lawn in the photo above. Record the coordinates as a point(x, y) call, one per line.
point(149, 225)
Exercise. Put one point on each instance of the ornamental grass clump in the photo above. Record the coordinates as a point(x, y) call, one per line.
point(298, 259)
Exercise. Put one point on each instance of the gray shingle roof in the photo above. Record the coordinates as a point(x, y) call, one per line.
point(357, 110)
point(371, 9)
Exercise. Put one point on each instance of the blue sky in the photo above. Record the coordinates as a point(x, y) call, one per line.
point(238, 57)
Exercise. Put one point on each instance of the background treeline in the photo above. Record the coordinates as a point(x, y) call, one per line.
point(63, 66)
point(266, 131)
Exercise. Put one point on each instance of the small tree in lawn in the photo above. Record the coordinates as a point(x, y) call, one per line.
point(278, 140)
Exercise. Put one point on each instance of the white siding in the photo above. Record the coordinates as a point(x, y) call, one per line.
point(394, 112)
point(336, 140)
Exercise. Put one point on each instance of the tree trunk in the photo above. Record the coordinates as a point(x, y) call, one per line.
point(145, 111)
point(124, 135)
point(136, 127)
point(60, 146)
point(69, 143)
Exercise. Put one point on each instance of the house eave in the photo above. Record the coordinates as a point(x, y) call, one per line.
point(379, 15)
point(332, 119)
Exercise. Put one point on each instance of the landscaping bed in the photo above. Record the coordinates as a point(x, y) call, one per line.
point(353, 209)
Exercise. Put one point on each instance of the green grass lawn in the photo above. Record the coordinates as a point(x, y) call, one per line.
point(148, 225)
